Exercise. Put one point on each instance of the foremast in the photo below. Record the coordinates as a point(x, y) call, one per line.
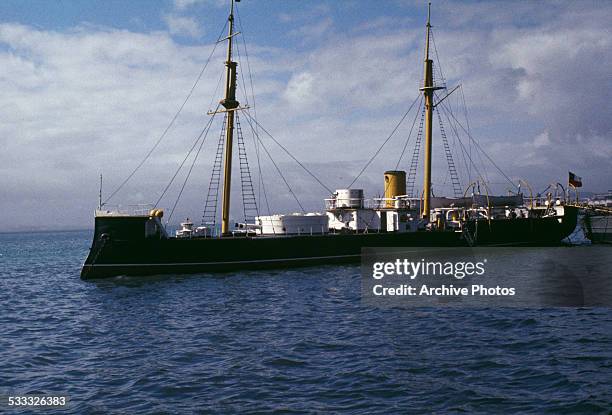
point(428, 92)
point(230, 104)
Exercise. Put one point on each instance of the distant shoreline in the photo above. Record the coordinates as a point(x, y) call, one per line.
point(45, 230)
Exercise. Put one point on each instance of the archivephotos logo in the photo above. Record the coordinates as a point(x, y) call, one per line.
point(484, 277)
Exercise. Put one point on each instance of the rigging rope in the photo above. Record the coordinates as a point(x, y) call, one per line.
point(288, 153)
point(467, 123)
point(484, 174)
point(388, 183)
point(464, 152)
point(261, 182)
point(385, 142)
point(439, 65)
point(189, 172)
point(277, 169)
point(468, 167)
point(161, 137)
point(453, 128)
point(469, 172)
point(414, 162)
point(482, 150)
point(202, 133)
point(452, 170)
point(249, 200)
point(416, 115)
point(209, 216)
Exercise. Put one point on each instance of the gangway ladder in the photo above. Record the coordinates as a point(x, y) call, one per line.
point(249, 200)
point(209, 218)
point(449, 159)
point(414, 163)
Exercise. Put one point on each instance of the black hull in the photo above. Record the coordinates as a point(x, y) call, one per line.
point(524, 231)
point(598, 228)
point(601, 238)
point(120, 248)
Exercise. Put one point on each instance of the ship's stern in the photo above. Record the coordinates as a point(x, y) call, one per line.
point(112, 231)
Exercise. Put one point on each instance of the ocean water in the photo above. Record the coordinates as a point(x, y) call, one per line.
point(296, 341)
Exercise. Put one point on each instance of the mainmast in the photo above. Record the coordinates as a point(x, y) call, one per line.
point(230, 104)
point(428, 90)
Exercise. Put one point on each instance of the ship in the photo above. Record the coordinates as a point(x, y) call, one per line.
point(137, 242)
point(598, 218)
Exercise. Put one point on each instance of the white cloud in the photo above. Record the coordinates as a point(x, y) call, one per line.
point(83, 102)
point(179, 25)
point(185, 4)
point(313, 31)
point(92, 99)
point(355, 72)
point(542, 140)
point(300, 90)
point(556, 84)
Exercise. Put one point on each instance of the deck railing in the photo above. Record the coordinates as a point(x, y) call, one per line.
point(141, 209)
point(400, 202)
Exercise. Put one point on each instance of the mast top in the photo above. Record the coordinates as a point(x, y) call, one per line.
point(428, 30)
point(229, 101)
point(232, 7)
point(231, 14)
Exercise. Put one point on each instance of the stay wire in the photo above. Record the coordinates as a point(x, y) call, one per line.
point(468, 167)
point(385, 142)
point(483, 152)
point(205, 130)
point(369, 222)
point(277, 168)
point(433, 40)
point(262, 186)
point(409, 134)
point(289, 154)
point(464, 152)
point(484, 174)
point(472, 143)
point(416, 116)
point(261, 183)
point(467, 120)
point(161, 137)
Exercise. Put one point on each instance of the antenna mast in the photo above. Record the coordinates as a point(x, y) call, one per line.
point(100, 195)
point(230, 104)
point(428, 91)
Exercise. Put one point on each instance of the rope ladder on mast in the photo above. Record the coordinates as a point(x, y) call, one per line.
point(209, 217)
point(449, 159)
point(249, 199)
point(414, 163)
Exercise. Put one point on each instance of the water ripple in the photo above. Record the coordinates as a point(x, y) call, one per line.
point(296, 341)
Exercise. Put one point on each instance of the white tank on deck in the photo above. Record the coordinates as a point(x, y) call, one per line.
point(293, 224)
point(349, 198)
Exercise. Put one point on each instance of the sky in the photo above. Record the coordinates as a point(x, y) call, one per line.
point(89, 86)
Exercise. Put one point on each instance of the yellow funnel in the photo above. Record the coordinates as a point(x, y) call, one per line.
point(395, 185)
